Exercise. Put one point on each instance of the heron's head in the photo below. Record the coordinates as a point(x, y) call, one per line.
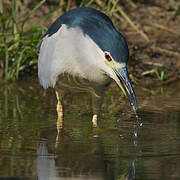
point(112, 59)
point(114, 52)
point(113, 47)
point(117, 70)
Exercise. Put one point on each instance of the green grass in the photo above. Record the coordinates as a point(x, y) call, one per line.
point(160, 74)
point(177, 8)
point(18, 47)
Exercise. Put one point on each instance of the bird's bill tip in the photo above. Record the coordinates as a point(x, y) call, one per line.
point(123, 81)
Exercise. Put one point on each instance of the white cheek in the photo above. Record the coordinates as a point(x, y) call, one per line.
point(108, 70)
point(112, 66)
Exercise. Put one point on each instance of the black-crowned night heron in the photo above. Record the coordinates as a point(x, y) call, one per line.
point(82, 51)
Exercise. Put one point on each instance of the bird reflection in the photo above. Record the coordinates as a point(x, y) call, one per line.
point(46, 168)
point(68, 163)
point(77, 160)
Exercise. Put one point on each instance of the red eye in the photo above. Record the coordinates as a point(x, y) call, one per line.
point(108, 57)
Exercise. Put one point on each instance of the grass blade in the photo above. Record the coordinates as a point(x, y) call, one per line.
point(1, 6)
point(31, 13)
point(6, 63)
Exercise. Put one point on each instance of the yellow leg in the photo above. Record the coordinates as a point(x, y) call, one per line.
point(96, 104)
point(94, 121)
point(60, 113)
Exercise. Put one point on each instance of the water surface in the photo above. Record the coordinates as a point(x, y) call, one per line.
point(118, 149)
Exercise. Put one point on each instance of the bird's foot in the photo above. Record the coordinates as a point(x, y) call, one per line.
point(96, 128)
point(59, 126)
point(94, 121)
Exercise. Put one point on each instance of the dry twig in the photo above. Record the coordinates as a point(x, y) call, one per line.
point(131, 3)
point(164, 28)
point(171, 53)
point(132, 24)
point(68, 5)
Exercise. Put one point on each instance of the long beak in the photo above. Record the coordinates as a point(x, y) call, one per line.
point(122, 79)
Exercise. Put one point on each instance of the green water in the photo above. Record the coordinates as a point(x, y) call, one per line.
point(119, 149)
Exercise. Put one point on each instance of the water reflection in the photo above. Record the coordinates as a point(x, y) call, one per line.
point(120, 149)
point(46, 168)
point(78, 160)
